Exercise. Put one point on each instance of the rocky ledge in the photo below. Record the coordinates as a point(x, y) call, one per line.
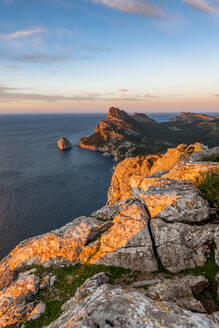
point(122, 135)
point(157, 226)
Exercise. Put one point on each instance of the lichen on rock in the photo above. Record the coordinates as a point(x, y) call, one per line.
point(109, 306)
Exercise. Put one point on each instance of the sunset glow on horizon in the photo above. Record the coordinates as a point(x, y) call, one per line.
point(63, 56)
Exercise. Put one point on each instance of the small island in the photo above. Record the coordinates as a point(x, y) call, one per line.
point(64, 144)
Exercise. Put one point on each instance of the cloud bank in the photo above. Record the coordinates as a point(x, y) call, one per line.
point(140, 7)
point(203, 5)
point(148, 9)
point(22, 33)
point(13, 94)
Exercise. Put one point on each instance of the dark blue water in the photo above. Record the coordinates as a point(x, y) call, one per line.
point(42, 188)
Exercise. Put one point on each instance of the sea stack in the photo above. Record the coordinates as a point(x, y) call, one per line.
point(64, 144)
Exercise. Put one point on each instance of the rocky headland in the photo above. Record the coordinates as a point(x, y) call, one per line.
point(122, 135)
point(149, 258)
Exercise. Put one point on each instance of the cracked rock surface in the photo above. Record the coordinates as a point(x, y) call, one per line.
point(180, 291)
point(108, 306)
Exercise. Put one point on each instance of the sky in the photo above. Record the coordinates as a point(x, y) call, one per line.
point(88, 55)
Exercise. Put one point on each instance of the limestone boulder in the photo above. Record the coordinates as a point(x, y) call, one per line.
point(108, 236)
point(128, 242)
point(191, 171)
point(63, 245)
point(171, 200)
point(182, 246)
point(202, 152)
point(180, 291)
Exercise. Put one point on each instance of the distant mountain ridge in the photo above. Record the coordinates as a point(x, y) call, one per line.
point(193, 117)
point(122, 135)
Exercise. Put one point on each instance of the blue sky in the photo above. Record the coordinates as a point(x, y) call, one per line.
point(88, 55)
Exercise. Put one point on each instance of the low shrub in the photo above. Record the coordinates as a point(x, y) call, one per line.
point(209, 187)
point(213, 158)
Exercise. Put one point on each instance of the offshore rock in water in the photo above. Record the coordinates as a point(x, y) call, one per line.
point(64, 144)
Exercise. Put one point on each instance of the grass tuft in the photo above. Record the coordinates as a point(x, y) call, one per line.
point(209, 187)
point(64, 288)
point(209, 271)
point(213, 158)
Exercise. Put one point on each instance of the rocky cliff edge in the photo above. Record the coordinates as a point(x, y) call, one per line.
point(157, 224)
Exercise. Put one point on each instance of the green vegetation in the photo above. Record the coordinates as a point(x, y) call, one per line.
point(209, 187)
point(209, 271)
point(213, 158)
point(145, 287)
point(68, 279)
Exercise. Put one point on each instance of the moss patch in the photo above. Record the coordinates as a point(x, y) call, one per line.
point(65, 288)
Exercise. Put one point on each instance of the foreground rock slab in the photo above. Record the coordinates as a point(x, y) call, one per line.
point(97, 304)
point(114, 235)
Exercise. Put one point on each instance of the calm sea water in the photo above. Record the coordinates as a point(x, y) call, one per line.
point(42, 188)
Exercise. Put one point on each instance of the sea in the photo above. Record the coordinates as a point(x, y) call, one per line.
point(42, 188)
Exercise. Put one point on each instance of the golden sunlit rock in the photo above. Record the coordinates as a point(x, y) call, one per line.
point(152, 165)
point(191, 171)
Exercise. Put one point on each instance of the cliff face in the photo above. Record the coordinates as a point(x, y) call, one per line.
point(122, 135)
point(156, 219)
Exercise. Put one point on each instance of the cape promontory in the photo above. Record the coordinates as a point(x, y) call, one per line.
point(122, 135)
